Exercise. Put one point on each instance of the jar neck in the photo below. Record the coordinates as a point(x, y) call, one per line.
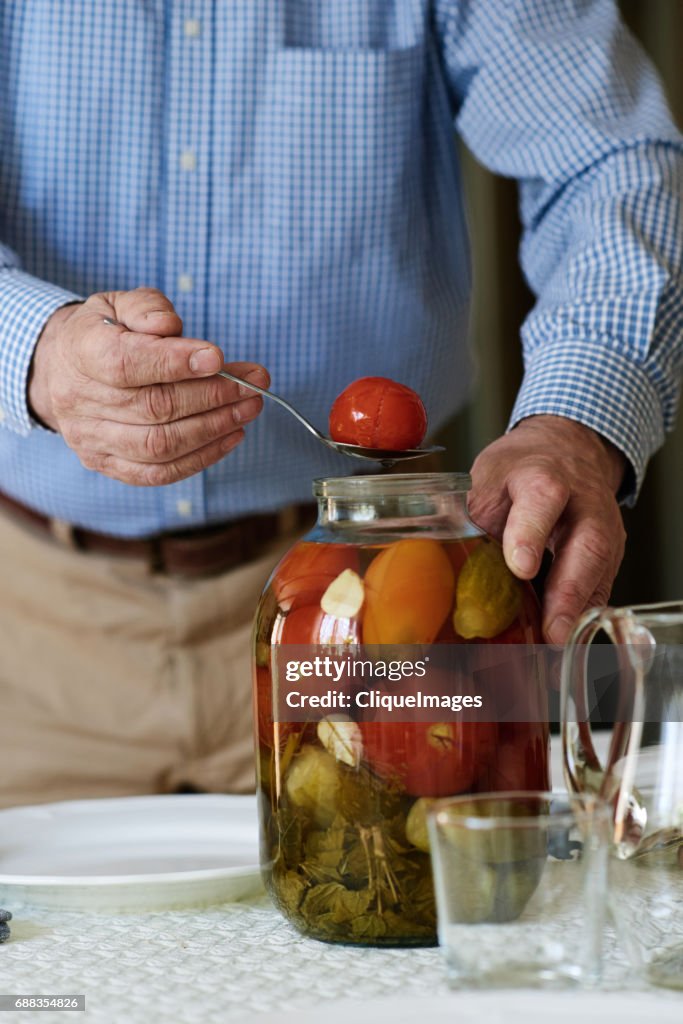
point(391, 507)
point(411, 504)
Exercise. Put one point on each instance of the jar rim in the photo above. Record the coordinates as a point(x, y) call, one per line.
point(368, 486)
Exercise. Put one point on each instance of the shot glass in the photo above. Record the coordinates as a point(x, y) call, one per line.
point(521, 888)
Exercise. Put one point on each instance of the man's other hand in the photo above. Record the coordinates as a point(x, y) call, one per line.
point(138, 402)
point(551, 483)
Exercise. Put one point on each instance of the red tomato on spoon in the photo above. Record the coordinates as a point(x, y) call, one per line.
point(376, 412)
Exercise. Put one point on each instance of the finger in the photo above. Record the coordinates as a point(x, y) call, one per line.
point(581, 576)
point(122, 359)
point(555, 648)
point(489, 509)
point(142, 474)
point(144, 311)
point(163, 403)
point(538, 500)
point(488, 503)
point(161, 442)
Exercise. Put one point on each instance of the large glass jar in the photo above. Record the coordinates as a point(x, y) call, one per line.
point(393, 561)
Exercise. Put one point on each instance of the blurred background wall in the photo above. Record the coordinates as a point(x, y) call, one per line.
point(653, 566)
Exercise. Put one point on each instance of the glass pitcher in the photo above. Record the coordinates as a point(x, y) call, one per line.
point(641, 774)
point(394, 562)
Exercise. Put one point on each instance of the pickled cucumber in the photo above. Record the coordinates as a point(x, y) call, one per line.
point(488, 597)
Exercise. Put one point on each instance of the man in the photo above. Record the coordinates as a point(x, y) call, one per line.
point(283, 174)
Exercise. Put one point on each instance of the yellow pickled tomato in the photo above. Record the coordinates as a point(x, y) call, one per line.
point(408, 593)
point(487, 595)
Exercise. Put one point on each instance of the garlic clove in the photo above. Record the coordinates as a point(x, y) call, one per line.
point(342, 738)
point(344, 596)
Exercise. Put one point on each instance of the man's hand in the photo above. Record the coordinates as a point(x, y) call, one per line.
point(138, 402)
point(551, 483)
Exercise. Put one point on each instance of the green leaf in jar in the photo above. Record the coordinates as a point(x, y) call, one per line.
point(369, 926)
point(291, 888)
point(422, 890)
point(354, 864)
point(326, 845)
point(365, 799)
point(407, 925)
point(335, 902)
point(290, 842)
point(324, 855)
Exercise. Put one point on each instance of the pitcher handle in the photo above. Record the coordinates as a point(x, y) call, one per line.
point(582, 767)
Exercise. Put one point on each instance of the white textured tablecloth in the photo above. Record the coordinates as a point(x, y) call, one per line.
point(235, 961)
point(243, 962)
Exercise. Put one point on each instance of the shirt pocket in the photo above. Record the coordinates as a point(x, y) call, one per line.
point(352, 25)
point(338, 146)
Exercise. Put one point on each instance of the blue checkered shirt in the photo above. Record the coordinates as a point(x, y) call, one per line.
point(285, 171)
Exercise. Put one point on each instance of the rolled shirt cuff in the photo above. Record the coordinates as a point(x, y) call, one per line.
point(26, 304)
point(596, 386)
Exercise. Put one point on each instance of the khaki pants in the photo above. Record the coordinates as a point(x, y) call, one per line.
point(115, 681)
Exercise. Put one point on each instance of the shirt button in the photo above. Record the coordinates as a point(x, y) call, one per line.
point(184, 508)
point(192, 28)
point(185, 283)
point(188, 160)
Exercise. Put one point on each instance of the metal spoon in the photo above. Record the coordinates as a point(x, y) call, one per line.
point(386, 456)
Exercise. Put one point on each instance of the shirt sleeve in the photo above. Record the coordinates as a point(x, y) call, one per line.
point(559, 95)
point(26, 304)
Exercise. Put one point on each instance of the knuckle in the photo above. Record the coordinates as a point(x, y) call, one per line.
point(251, 406)
point(73, 433)
point(571, 594)
point(547, 488)
point(66, 397)
point(96, 461)
point(160, 474)
point(115, 366)
point(211, 393)
point(144, 291)
point(158, 405)
point(597, 545)
point(160, 443)
point(600, 595)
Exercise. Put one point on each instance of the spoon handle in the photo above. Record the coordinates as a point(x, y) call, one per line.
point(275, 398)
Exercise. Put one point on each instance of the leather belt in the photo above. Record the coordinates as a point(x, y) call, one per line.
point(200, 552)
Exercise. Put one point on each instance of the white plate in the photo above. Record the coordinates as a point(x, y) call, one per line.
point(137, 853)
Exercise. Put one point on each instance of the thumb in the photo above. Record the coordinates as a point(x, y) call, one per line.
point(146, 311)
